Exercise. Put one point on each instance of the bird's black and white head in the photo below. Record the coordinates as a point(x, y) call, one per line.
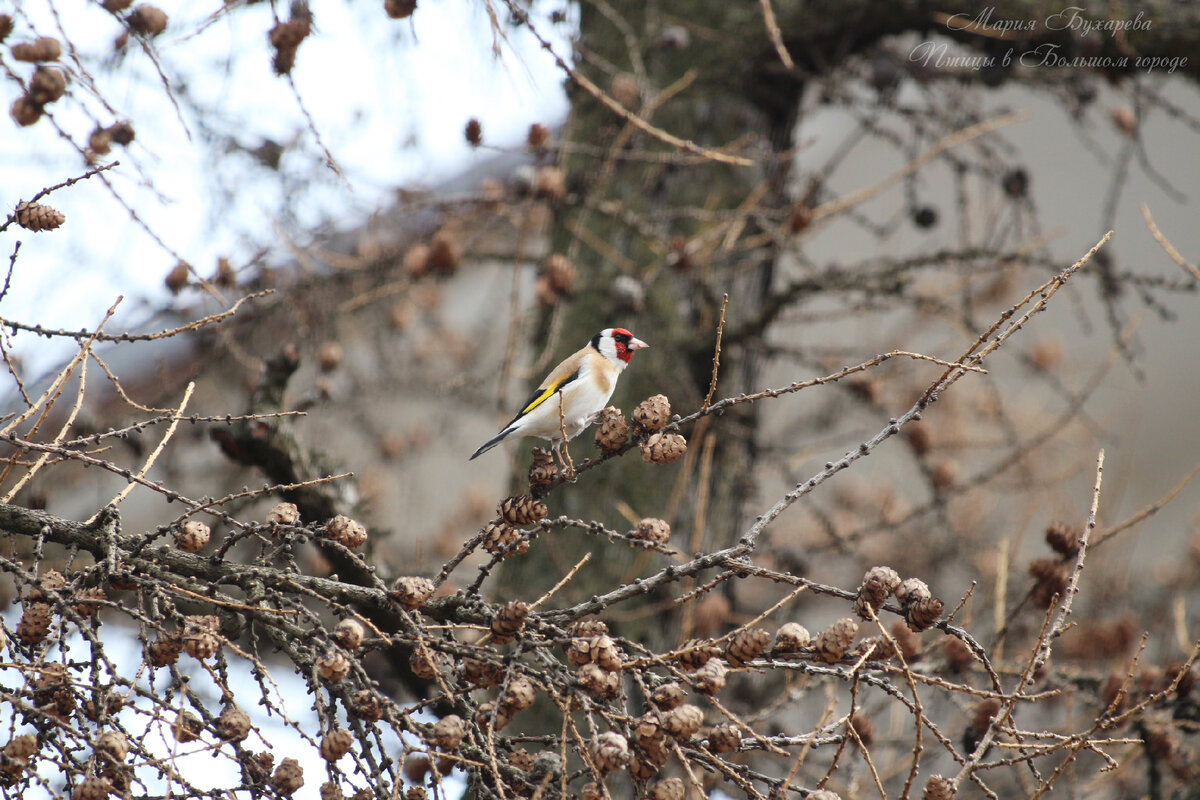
point(617, 345)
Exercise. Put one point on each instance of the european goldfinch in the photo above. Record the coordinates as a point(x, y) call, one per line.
point(568, 400)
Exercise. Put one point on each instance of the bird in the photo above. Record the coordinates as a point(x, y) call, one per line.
point(574, 392)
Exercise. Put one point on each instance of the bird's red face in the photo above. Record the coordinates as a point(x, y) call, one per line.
point(626, 343)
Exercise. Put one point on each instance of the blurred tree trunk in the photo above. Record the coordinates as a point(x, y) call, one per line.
point(617, 225)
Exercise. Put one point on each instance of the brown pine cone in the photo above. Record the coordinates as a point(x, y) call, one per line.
point(499, 536)
point(186, 727)
point(121, 132)
point(449, 731)
point(37, 217)
point(710, 679)
point(588, 628)
point(331, 791)
point(823, 794)
point(683, 722)
point(445, 252)
point(938, 788)
point(164, 651)
point(34, 625)
point(597, 682)
point(481, 673)
point(791, 636)
point(426, 664)
point(285, 39)
point(958, 655)
point(601, 650)
point(21, 748)
point(336, 744)
point(667, 789)
point(288, 777)
point(910, 591)
point(486, 711)
point(50, 581)
point(724, 738)
point(542, 471)
point(200, 638)
point(559, 273)
point(84, 602)
point(47, 85)
point(346, 531)
point(922, 614)
point(653, 529)
point(333, 666)
point(695, 653)
point(177, 279)
point(25, 112)
point(520, 694)
point(474, 132)
point(645, 764)
point(111, 704)
point(147, 20)
point(92, 787)
point(610, 751)
point(44, 48)
point(113, 744)
point(509, 620)
point(284, 514)
point(833, 642)
point(411, 592)
point(367, 705)
point(879, 647)
point(1052, 579)
point(193, 537)
point(538, 136)
point(877, 584)
point(522, 510)
point(668, 696)
point(648, 733)
point(863, 729)
point(746, 646)
point(399, 9)
point(233, 725)
point(663, 448)
point(652, 414)
point(543, 292)
point(349, 633)
point(908, 642)
point(613, 430)
point(1063, 538)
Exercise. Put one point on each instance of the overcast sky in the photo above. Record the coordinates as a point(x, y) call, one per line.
point(389, 98)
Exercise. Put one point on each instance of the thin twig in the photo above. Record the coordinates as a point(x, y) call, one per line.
point(1064, 608)
point(775, 34)
point(712, 384)
point(585, 83)
point(1174, 254)
point(554, 589)
point(149, 463)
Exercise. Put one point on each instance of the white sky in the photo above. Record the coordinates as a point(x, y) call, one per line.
point(390, 99)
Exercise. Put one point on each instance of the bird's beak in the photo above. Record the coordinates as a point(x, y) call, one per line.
point(637, 344)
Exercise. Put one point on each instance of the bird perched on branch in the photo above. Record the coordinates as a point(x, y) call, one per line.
point(568, 400)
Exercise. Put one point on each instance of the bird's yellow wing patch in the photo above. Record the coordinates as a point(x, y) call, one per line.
point(541, 395)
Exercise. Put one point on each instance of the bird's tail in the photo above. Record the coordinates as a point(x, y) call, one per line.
point(490, 443)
